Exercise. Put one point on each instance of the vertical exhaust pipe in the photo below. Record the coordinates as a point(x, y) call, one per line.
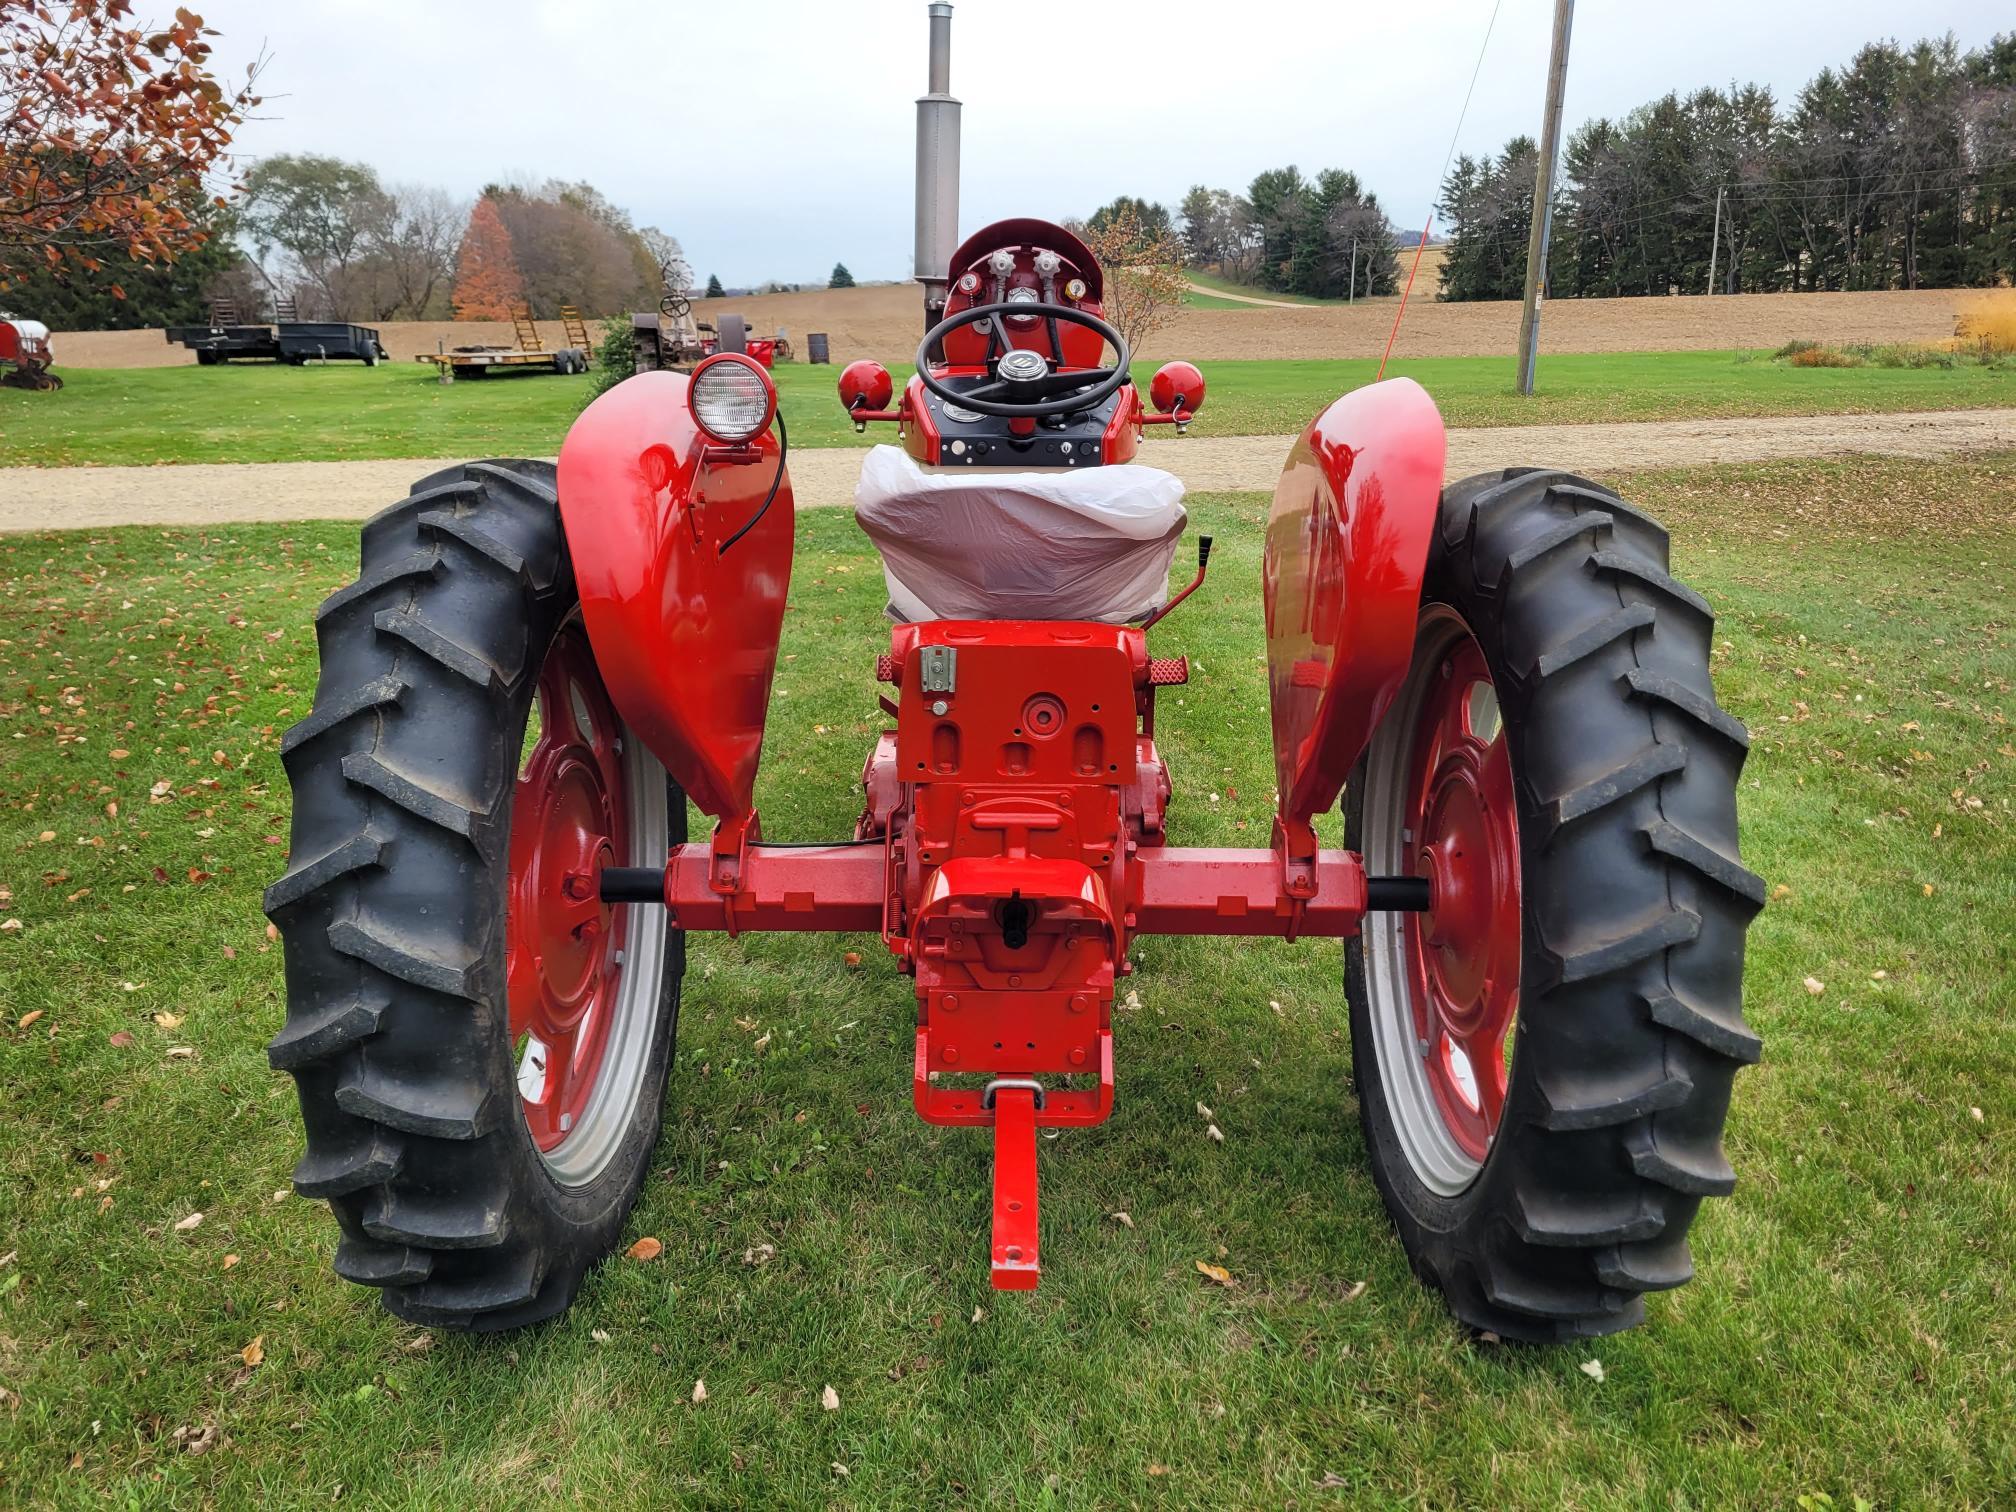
point(937, 169)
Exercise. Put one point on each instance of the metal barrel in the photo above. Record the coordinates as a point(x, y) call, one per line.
point(815, 348)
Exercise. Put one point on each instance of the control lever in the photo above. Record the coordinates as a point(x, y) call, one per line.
point(1203, 562)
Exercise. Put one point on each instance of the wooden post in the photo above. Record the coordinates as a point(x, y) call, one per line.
point(1715, 243)
point(1543, 195)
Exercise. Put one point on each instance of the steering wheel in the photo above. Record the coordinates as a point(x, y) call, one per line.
point(1039, 391)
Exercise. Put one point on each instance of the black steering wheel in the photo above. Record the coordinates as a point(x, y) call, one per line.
point(1038, 392)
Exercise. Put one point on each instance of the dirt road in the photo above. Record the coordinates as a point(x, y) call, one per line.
point(93, 497)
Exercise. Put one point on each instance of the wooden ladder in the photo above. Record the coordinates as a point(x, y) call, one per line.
point(527, 331)
point(577, 331)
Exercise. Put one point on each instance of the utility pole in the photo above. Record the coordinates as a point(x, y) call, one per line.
point(1543, 195)
point(1352, 298)
point(1715, 245)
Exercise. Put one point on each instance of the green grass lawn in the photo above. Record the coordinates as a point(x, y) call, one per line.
point(1850, 1333)
point(283, 414)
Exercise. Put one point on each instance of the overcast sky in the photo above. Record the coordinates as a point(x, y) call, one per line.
point(774, 137)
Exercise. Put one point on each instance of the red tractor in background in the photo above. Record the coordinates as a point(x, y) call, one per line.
point(1540, 901)
point(26, 356)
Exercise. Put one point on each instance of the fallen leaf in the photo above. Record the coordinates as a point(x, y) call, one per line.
point(841, 1470)
point(1125, 1220)
point(762, 1043)
point(1205, 1113)
point(851, 958)
point(10, 926)
point(30, 1017)
point(194, 1220)
point(759, 1254)
point(281, 1194)
point(829, 1399)
point(1215, 1134)
point(1331, 1481)
point(1216, 1273)
point(1158, 1470)
point(1815, 986)
point(419, 1345)
point(1928, 889)
point(1780, 892)
point(599, 1335)
point(168, 1020)
point(254, 1354)
point(1355, 1290)
point(646, 1248)
point(979, 1315)
point(229, 1261)
point(699, 1391)
point(1977, 1115)
point(120, 1039)
point(1592, 1369)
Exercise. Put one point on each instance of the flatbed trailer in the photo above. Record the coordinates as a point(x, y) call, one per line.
point(481, 361)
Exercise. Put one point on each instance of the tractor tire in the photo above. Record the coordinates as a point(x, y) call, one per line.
point(440, 917)
point(1555, 762)
point(731, 334)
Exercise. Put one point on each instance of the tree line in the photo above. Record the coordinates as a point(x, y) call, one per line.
point(1896, 172)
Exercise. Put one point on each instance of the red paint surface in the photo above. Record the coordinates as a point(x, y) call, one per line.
point(685, 637)
point(1347, 541)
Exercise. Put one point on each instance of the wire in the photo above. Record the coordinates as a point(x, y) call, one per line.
point(1448, 158)
point(783, 447)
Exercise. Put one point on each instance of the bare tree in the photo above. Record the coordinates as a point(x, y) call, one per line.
point(415, 249)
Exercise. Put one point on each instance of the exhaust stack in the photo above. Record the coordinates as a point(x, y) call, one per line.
point(937, 169)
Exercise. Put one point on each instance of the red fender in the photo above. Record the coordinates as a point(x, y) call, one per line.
point(685, 636)
point(1347, 541)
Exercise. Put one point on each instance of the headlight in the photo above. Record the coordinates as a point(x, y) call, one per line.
point(731, 398)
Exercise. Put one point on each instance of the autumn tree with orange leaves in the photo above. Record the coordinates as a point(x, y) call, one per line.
point(487, 282)
point(110, 131)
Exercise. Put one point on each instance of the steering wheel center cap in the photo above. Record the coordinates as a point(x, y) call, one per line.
point(1024, 366)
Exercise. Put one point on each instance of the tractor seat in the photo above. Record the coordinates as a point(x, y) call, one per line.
point(1008, 544)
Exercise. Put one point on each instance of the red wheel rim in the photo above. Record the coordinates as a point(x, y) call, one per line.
point(1463, 955)
point(569, 820)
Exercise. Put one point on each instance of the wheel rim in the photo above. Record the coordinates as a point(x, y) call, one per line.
point(1443, 986)
point(583, 985)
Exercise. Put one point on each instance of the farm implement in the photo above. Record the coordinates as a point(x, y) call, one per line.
point(1539, 897)
point(26, 356)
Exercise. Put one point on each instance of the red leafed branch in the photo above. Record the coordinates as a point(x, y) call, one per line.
point(113, 134)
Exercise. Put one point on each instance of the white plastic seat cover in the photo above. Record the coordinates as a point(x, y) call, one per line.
point(1056, 544)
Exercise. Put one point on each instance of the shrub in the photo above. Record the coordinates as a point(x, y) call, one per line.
point(1794, 348)
point(1989, 324)
point(1810, 356)
point(613, 362)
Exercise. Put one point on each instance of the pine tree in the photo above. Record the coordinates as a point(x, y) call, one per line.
point(487, 282)
point(714, 289)
point(841, 278)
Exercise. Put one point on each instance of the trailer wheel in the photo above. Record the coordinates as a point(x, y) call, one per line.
point(480, 1045)
point(370, 355)
point(1543, 1060)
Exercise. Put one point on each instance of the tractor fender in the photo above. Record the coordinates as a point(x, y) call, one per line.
point(684, 633)
point(1347, 542)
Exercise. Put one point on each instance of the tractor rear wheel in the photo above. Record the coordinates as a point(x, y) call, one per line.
point(1544, 1059)
point(480, 1045)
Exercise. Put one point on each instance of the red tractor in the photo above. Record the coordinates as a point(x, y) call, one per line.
point(25, 355)
point(1540, 902)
